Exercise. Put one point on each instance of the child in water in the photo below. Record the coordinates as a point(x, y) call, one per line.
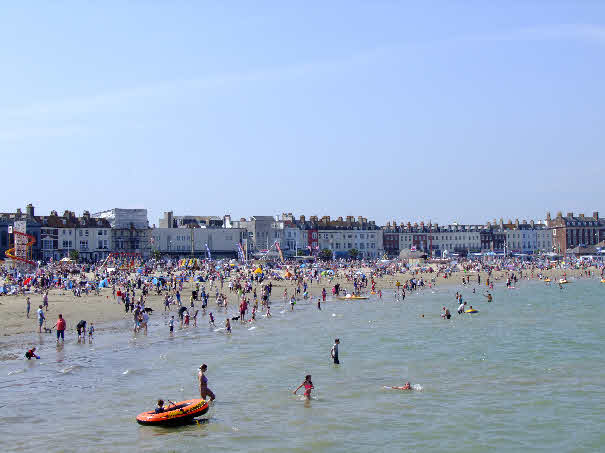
point(211, 319)
point(228, 325)
point(160, 408)
point(308, 384)
point(31, 353)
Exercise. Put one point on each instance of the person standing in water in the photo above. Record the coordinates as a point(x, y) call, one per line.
point(308, 384)
point(205, 392)
point(334, 351)
point(60, 325)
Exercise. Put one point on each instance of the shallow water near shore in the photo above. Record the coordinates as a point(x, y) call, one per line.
point(526, 373)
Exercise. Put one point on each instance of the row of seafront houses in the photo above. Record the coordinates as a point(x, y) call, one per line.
point(95, 236)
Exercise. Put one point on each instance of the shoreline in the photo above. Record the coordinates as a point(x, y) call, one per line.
point(104, 309)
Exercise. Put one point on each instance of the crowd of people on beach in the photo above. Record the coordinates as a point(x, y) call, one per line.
point(247, 288)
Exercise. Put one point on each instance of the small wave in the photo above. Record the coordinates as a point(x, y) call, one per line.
point(10, 373)
point(70, 369)
point(252, 328)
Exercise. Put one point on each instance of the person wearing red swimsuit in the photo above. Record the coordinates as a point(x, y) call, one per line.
point(308, 384)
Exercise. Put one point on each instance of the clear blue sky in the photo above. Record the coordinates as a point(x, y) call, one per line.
point(453, 111)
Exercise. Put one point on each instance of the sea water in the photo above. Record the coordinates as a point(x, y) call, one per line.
point(526, 373)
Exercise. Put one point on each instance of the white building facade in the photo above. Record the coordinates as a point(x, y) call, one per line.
point(368, 243)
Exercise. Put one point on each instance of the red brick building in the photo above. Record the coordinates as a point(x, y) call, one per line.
point(570, 231)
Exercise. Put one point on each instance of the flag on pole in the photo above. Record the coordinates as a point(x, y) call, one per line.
point(240, 252)
point(281, 255)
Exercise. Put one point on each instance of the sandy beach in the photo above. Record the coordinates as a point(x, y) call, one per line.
point(104, 309)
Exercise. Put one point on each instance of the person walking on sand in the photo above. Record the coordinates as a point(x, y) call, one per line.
point(334, 351)
point(28, 304)
point(202, 380)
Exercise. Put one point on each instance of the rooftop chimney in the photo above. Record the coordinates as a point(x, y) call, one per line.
point(596, 215)
point(570, 214)
point(29, 209)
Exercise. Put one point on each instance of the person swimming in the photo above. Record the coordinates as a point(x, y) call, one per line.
point(407, 386)
point(308, 385)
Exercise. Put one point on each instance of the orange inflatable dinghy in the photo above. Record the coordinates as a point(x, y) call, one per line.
point(180, 413)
